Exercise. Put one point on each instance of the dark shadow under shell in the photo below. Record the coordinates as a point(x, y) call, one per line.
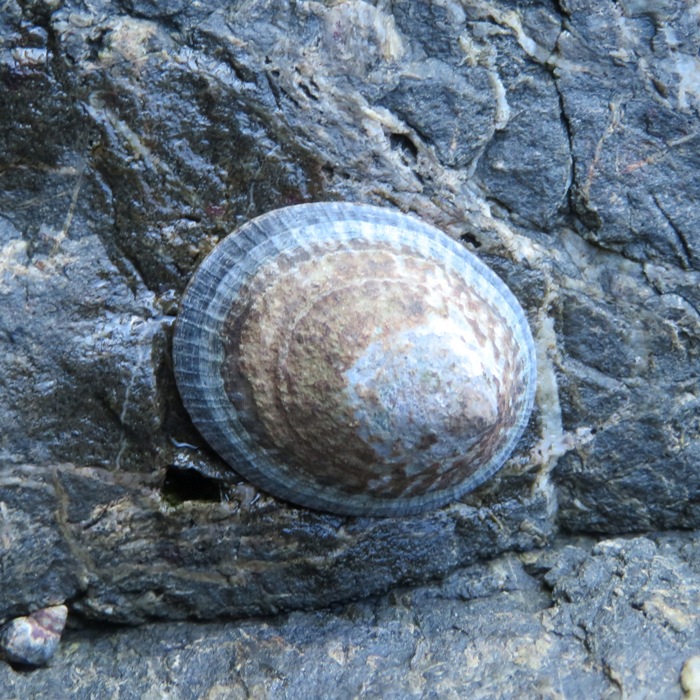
point(353, 359)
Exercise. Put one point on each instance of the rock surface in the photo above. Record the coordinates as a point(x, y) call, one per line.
point(556, 139)
point(615, 619)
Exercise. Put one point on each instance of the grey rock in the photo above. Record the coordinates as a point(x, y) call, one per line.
point(453, 110)
point(121, 553)
point(614, 619)
point(634, 146)
point(527, 164)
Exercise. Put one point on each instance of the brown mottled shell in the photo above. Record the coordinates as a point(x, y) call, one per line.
point(33, 640)
point(353, 359)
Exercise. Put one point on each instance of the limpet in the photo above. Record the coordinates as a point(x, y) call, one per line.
point(353, 359)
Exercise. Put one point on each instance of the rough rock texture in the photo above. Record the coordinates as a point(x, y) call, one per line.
point(559, 140)
point(617, 619)
point(115, 548)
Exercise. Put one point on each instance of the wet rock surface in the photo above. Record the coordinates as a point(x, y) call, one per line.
point(557, 140)
point(613, 619)
point(116, 549)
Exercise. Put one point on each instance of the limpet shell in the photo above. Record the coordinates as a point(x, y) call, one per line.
point(353, 359)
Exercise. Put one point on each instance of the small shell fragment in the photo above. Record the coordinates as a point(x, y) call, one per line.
point(690, 678)
point(33, 640)
point(353, 359)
